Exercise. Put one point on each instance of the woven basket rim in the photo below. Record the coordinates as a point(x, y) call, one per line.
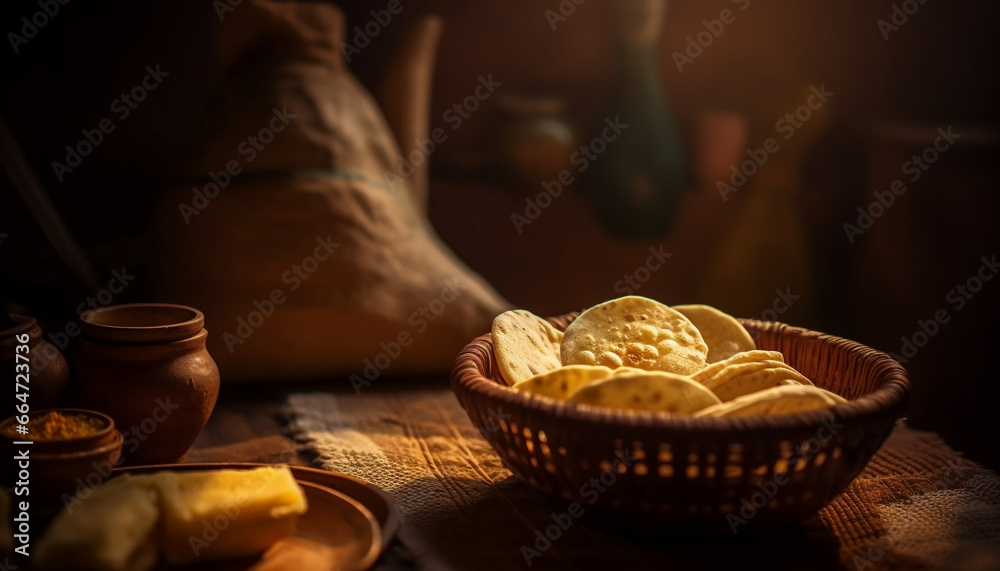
point(891, 393)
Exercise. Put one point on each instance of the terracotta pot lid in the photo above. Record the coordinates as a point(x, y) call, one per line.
point(142, 323)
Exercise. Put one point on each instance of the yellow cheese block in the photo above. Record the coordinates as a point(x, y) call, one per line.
point(222, 514)
point(185, 516)
point(109, 530)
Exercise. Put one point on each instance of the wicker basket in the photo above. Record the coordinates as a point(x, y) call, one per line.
point(696, 475)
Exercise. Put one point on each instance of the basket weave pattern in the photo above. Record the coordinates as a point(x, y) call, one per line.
point(690, 473)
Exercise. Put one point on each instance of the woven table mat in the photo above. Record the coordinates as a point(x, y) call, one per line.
point(918, 505)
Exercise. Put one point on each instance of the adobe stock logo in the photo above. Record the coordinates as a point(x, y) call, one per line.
point(915, 167)
point(421, 319)
point(630, 283)
point(899, 17)
point(958, 298)
point(581, 158)
point(782, 303)
point(248, 148)
point(222, 7)
point(122, 107)
point(454, 116)
point(698, 43)
point(294, 277)
point(787, 126)
point(566, 9)
point(591, 491)
point(767, 490)
point(363, 35)
point(31, 26)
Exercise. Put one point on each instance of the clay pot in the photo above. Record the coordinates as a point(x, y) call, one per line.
point(146, 365)
point(48, 373)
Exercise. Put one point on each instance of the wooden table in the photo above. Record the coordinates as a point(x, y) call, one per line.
point(246, 426)
point(249, 425)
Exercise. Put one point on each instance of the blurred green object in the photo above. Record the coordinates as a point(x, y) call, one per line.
point(638, 180)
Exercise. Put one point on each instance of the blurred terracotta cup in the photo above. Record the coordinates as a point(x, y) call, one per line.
point(720, 142)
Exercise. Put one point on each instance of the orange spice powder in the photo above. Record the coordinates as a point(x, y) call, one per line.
point(58, 426)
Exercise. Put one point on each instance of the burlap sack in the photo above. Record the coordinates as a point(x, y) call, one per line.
point(307, 250)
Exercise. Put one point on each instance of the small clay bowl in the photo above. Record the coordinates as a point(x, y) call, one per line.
point(59, 474)
point(65, 445)
point(56, 468)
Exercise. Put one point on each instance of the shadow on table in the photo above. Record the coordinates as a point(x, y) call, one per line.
point(502, 525)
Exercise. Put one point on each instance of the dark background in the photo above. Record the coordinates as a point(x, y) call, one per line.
point(938, 70)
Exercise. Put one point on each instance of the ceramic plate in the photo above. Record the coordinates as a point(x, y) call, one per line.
point(339, 532)
point(336, 534)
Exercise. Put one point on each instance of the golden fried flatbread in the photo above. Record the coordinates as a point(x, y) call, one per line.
point(636, 332)
point(525, 345)
point(648, 390)
point(562, 382)
point(785, 399)
point(724, 335)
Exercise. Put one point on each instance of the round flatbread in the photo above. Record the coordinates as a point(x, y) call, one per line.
point(739, 358)
point(564, 381)
point(647, 390)
point(785, 399)
point(636, 332)
point(525, 345)
point(738, 380)
point(724, 335)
